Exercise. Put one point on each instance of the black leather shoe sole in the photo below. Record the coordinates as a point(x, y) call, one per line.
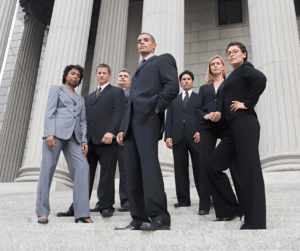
point(65, 214)
point(107, 213)
point(42, 221)
point(129, 227)
point(180, 205)
point(153, 227)
point(202, 212)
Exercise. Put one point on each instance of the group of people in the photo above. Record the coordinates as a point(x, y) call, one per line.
point(101, 129)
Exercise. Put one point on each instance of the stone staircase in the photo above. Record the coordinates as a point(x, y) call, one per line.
point(19, 229)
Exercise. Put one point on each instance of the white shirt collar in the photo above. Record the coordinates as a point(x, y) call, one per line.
point(190, 93)
point(103, 86)
point(149, 56)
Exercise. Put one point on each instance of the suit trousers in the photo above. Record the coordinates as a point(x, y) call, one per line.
point(145, 183)
point(240, 143)
point(106, 155)
point(78, 168)
point(123, 189)
point(181, 166)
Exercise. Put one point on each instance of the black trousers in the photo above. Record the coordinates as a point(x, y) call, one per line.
point(123, 189)
point(181, 166)
point(240, 143)
point(106, 156)
point(208, 142)
point(147, 197)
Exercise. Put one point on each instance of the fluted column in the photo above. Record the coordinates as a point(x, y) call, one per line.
point(66, 44)
point(7, 9)
point(164, 19)
point(275, 49)
point(110, 39)
point(17, 115)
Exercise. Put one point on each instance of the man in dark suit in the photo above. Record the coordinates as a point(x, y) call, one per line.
point(153, 87)
point(123, 81)
point(182, 135)
point(104, 112)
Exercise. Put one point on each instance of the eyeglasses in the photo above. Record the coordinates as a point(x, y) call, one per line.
point(234, 52)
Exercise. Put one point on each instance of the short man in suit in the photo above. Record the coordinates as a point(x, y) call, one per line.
point(182, 137)
point(153, 87)
point(123, 81)
point(104, 112)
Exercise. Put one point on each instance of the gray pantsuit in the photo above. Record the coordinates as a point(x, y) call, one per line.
point(65, 119)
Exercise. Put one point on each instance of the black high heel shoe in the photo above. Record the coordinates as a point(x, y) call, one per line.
point(81, 220)
point(230, 218)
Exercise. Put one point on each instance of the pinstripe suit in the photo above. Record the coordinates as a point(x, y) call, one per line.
point(65, 120)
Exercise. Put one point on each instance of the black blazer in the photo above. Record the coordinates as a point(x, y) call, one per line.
point(209, 102)
point(179, 116)
point(104, 113)
point(245, 84)
point(154, 85)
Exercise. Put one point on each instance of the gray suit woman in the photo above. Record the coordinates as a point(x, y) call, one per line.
point(65, 130)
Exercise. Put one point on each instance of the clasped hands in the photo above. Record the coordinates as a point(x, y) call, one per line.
point(213, 116)
point(50, 141)
point(237, 105)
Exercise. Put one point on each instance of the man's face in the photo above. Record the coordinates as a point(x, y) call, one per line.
point(145, 45)
point(186, 82)
point(124, 79)
point(102, 76)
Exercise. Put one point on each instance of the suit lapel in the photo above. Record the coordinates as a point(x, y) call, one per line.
point(106, 89)
point(212, 89)
point(147, 61)
point(191, 99)
point(67, 92)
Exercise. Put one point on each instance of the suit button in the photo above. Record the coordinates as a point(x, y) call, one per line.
point(94, 106)
point(74, 104)
point(91, 123)
point(92, 114)
point(74, 117)
point(183, 121)
point(74, 110)
point(215, 100)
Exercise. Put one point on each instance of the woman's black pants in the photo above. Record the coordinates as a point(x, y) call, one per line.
point(240, 143)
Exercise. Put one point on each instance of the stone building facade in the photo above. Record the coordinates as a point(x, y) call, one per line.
point(50, 34)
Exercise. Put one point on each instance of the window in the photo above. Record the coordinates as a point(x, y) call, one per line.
point(230, 11)
point(297, 7)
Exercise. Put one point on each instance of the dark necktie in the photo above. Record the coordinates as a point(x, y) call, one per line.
point(98, 92)
point(186, 98)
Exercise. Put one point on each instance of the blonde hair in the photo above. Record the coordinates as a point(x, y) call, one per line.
point(209, 75)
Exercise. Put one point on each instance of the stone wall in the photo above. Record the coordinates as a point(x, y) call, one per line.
point(205, 38)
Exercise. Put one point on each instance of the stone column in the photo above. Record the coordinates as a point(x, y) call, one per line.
point(17, 115)
point(66, 44)
point(7, 9)
point(168, 15)
point(110, 39)
point(275, 49)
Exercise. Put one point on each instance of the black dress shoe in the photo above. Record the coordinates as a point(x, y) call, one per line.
point(230, 218)
point(202, 212)
point(65, 214)
point(154, 225)
point(124, 209)
point(129, 227)
point(96, 209)
point(106, 213)
point(42, 221)
point(181, 205)
point(81, 220)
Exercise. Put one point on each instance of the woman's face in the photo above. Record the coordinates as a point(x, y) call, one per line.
point(73, 77)
point(235, 56)
point(216, 66)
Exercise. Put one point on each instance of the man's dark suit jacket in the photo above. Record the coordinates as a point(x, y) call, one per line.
point(179, 116)
point(209, 102)
point(154, 85)
point(104, 113)
point(245, 84)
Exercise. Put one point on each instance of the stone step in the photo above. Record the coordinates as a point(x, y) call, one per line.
point(88, 238)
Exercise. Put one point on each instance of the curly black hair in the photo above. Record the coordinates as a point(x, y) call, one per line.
point(68, 68)
point(241, 46)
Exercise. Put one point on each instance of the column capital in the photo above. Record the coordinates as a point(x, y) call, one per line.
point(40, 10)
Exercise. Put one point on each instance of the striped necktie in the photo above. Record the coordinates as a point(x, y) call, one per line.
point(98, 92)
point(186, 98)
